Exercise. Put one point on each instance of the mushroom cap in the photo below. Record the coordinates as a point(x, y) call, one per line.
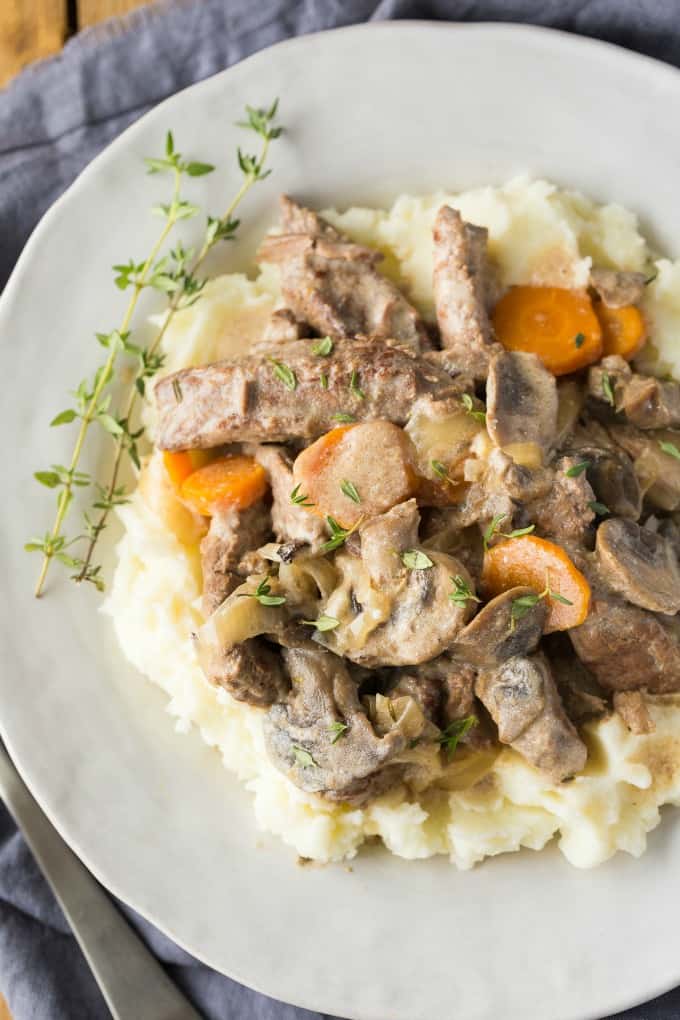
point(639, 564)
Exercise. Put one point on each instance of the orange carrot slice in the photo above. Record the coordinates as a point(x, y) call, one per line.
point(623, 329)
point(558, 325)
point(233, 480)
point(539, 564)
point(178, 465)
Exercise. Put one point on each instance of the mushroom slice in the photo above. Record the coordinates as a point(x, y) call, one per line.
point(322, 739)
point(616, 287)
point(521, 697)
point(613, 480)
point(521, 402)
point(639, 564)
point(494, 636)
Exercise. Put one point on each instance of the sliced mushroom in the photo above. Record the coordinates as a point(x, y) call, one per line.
point(616, 287)
point(521, 402)
point(613, 480)
point(494, 636)
point(395, 596)
point(522, 699)
point(322, 739)
point(638, 564)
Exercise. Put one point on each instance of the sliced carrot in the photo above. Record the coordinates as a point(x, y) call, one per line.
point(234, 480)
point(623, 329)
point(558, 325)
point(529, 560)
point(178, 465)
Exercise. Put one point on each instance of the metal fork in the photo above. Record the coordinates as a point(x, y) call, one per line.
point(131, 980)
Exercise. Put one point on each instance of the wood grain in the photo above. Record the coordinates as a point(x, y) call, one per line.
point(29, 30)
point(92, 11)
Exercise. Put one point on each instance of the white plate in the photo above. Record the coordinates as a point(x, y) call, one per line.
point(370, 111)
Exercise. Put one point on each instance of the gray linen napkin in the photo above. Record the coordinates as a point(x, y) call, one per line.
point(54, 118)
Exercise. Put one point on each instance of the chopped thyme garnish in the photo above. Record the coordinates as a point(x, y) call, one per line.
point(652, 278)
point(670, 448)
point(492, 530)
point(323, 347)
point(454, 732)
point(521, 606)
point(323, 623)
point(349, 489)
point(579, 340)
point(416, 559)
point(577, 469)
point(298, 498)
point(607, 389)
point(354, 387)
point(598, 508)
point(285, 374)
point(341, 416)
point(262, 595)
point(462, 592)
point(336, 730)
point(468, 403)
point(323, 379)
point(303, 757)
point(177, 390)
point(338, 534)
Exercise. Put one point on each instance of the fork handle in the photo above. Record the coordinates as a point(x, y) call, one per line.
point(133, 983)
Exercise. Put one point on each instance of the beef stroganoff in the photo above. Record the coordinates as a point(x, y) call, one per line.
point(406, 549)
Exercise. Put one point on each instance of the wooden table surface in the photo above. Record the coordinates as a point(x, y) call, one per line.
point(33, 29)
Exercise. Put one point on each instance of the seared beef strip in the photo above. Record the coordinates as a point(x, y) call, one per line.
point(639, 564)
point(462, 287)
point(334, 285)
point(612, 478)
point(521, 401)
point(647, 402)
point(302, 738)
point(616, 287)
point(565, 514)
point(290, 521)
point(250, 672)
point(255, 399)
point(627, 648)
point(232, 535)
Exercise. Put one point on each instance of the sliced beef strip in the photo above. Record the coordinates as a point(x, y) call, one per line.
point(627, 648)
point(645, 401)
point(291, 522)
point(657, 472)
point(250, 672)
point(231, 536)
point(462, 288)
point(334, 284)
point(521, 401)
point(284, 326)
point(565, 513)
point(299, 733)
point(581, 695)
point(247, 400)
point(523, 701)
point(617, 287)
point(638, 564)
point(632, 708)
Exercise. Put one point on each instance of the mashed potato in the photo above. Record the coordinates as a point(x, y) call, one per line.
point(490, 802)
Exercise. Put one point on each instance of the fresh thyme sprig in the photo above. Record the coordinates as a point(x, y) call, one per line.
point(462, 592)
point(521, 606)
point(493, 531)
point(176, 276)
